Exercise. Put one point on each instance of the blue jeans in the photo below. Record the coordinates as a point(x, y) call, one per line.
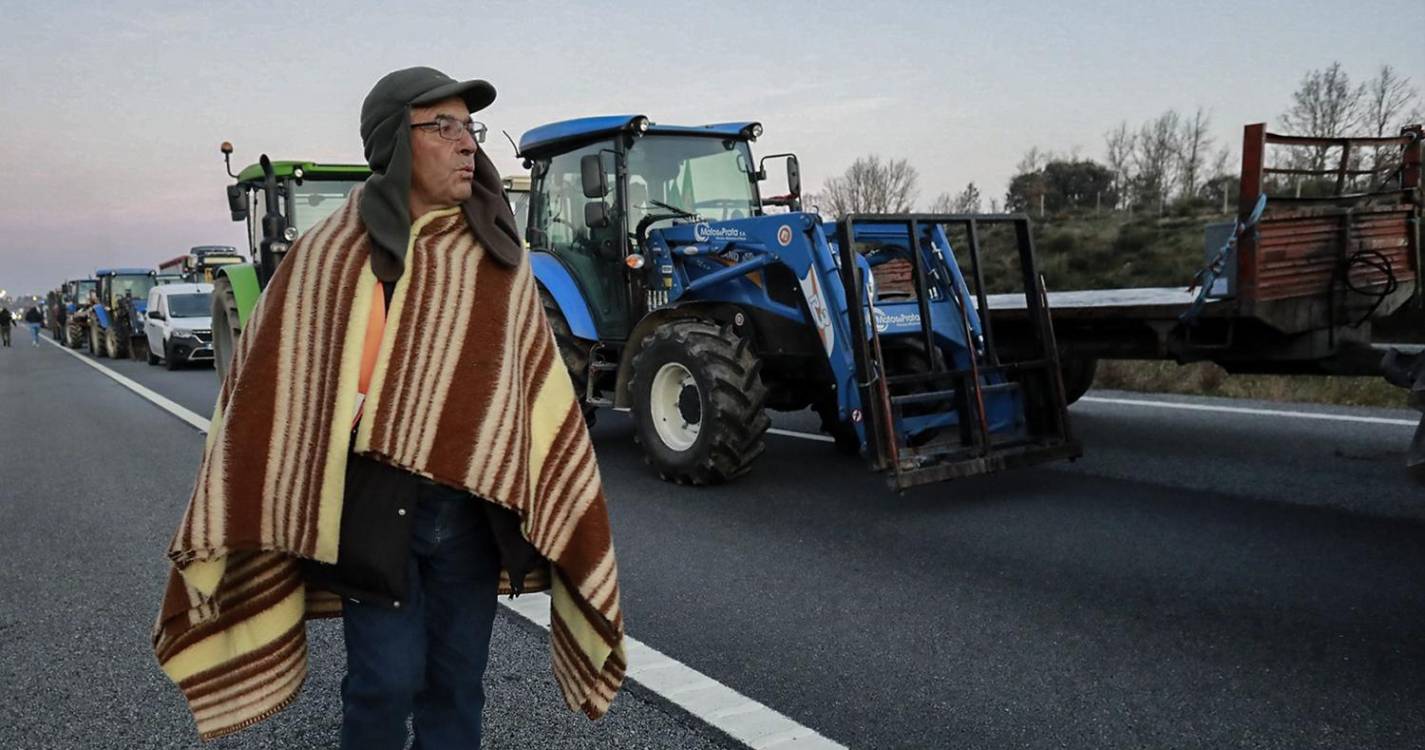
point(35, 332)
point(426, 659)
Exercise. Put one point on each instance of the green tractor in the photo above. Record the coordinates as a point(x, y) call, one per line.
point(280, 201)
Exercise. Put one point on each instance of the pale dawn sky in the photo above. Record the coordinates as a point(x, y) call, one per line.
point(111, 113)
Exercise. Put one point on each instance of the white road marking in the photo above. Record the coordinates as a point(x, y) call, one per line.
point(802, 435)
point(1178, 405)
point(744, 719)
point(158, 400)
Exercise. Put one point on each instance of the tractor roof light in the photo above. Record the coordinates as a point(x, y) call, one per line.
point(289, 234)
point(640, 124)
point(753, 131)
point(634, 261)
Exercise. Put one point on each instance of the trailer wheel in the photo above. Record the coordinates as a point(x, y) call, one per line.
point(573, 351)
point(698, 402)
point(225, 326)
point(1078, 376)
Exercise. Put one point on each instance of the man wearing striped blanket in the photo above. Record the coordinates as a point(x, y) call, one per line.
point(397, 441)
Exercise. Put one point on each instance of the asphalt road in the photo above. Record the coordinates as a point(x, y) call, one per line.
point(1199, 579)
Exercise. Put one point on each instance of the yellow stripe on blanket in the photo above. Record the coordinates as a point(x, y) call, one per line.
point(239, 638)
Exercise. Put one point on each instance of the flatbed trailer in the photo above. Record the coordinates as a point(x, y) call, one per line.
point(1298, 288)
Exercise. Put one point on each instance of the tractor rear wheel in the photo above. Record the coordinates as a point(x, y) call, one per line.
point(574, 352)
point(698, 402)
point(226, 327)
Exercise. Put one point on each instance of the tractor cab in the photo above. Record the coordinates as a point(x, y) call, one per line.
point(600, 184)
point(279, 201)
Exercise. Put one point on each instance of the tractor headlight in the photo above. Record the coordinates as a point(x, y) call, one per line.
point(289, 234)
point(640, 124)
point(753, 131)
point(299, 173)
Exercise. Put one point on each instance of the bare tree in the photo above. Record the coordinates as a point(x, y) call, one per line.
point(1033, 160)
point(1193, 144)
point(967, 201)
point(1387, 97)
point(1324, 105)
point(1154, 154)
point(871, 185)
point(1120, 142)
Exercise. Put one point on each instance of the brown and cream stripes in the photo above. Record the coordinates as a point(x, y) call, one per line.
point(468, 390)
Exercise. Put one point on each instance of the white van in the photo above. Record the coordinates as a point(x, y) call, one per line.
point(180, 324)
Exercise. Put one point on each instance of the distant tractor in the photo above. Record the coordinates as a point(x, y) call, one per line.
point(200, 264)
point(116, 322)
point(78, 296)
point(280, 201)
point(673, 292)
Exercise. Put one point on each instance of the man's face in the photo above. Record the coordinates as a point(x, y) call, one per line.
point(441, 170)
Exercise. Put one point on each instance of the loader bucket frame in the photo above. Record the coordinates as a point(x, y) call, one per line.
point(972, 448)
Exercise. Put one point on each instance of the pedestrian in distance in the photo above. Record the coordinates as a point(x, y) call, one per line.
point(6, 320)
point(36, 320)
point(399, 481)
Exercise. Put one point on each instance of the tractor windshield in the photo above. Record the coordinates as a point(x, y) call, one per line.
point(711, 177)
point(314, 200)
point(138, 286)
point(83, 291)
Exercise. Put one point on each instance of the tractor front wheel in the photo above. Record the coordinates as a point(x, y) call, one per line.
point(114, 344)
point(226, 327)
point(698, 402)
point(96, 342)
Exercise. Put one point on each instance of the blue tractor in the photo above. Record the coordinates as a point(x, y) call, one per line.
point(677, 291)
point(117, 318)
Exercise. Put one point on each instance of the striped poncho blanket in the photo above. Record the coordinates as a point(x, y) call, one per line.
point(468, 390)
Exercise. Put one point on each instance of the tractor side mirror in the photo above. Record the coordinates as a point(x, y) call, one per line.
point(591, 171)
point(596, 215)
point(237, 202)
point(794, 176)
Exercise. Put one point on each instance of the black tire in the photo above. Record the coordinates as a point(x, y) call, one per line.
point(574, 352)
point(96, 342)
point(73, 338)
point(226, 328)
point(1078, 376)
point(169, 361)
point(114, 344)
point(723, 395)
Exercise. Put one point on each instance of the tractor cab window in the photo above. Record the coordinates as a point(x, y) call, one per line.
point(592, 254)
point(559, 212)
point(139, 286)
point(314, 200)
point(711, 177)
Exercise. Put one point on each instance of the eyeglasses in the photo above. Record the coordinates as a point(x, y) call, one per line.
point(451, 128)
